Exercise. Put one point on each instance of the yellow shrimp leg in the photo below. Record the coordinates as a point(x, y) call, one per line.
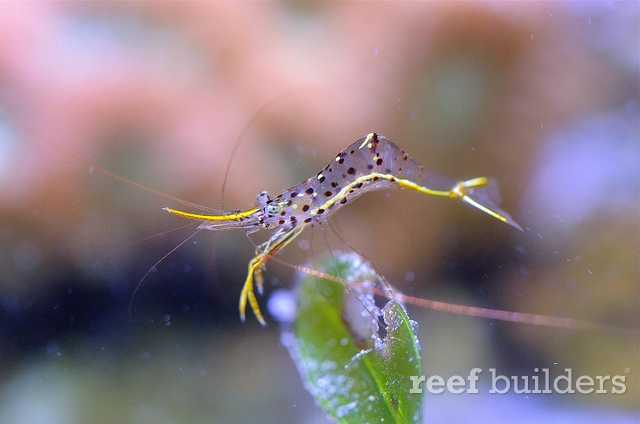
point(280, 239)
point(468, 192)
point(473, 192)
point(252, 220)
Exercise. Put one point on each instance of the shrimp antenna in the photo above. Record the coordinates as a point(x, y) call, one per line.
point(474, 311)
point(92, 165)
point(246, 129)
point(137, 288)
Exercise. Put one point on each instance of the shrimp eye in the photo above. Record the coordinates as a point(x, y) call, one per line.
point(274, 208)
point(263, 197)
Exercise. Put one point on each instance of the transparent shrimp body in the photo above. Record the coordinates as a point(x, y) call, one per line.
point(371, 163)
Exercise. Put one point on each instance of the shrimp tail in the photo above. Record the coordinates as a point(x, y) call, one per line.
point(483, 193)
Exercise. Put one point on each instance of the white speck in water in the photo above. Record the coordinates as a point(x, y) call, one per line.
point(186, 268)
point(282, 306)
point(53, 349)
point(409, 276)
point(531, 36)
point(167, 320)
point(303, 245)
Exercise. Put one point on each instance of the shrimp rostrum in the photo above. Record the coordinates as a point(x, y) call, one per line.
point(371, 163)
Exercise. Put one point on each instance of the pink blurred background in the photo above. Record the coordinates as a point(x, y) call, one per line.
point(542, 96)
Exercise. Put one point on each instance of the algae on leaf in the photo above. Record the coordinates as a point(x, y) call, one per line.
point(357, 371)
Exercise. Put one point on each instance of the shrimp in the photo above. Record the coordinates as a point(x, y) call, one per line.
point(371, 163)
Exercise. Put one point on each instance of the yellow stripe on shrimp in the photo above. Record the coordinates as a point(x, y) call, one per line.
point(232, 216)
point(371, 163)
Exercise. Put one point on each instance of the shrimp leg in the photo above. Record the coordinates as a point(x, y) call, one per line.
point(277, 241)
point(253, 220)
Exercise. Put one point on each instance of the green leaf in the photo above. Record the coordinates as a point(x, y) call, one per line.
point(356, 375)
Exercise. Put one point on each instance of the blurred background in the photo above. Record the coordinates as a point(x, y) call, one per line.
point(543, 96)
